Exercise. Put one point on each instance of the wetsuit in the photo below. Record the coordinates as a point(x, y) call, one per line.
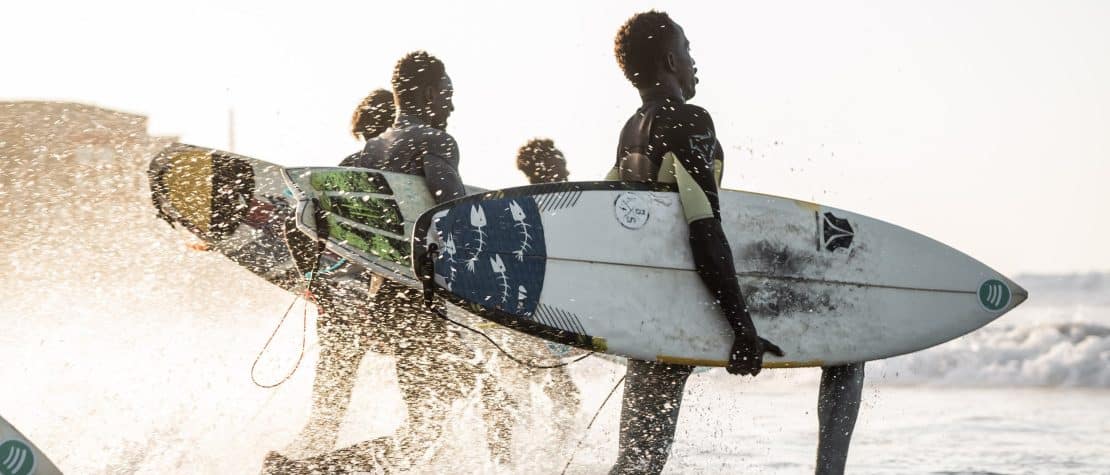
point(838, 403)
point(433, 365)
point(672, 142)
point(414, 148)
point(347, 327)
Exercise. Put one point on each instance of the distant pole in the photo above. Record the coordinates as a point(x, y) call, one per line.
point(230, 129)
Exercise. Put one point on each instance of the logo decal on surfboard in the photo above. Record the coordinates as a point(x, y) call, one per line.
point(16, 458)
point(837, 233)
point(994, 295)
point(632, 210)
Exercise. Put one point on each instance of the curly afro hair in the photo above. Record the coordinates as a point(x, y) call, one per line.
point(414, 70)
point(539, 159)
point(641, 43)
point(374, 115)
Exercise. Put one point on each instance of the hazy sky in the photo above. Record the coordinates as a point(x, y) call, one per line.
point(984, 124)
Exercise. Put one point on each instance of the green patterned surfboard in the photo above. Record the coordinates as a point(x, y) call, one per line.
point(369, 214)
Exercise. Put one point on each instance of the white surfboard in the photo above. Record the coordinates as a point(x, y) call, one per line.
point(18, 456)
point(607, 266)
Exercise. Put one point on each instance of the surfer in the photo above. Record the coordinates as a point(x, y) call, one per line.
point(434, 367)
point(541, 162)
point(342, 329)
point(373, 115)
point(668, 140)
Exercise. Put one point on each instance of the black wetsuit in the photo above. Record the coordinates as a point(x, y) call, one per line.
point(414, 148)
point(434, 366)
point(662, 135)
point(672, 142)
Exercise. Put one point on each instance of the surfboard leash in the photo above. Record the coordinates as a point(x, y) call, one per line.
point(304, 330)
point(591, 424)
point(321, 220)
point(427, 270)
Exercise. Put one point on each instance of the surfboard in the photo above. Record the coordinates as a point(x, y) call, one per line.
point(240, 207)
point(607, 266)
point(237, 206)
point(18, 456)
point(369, 215)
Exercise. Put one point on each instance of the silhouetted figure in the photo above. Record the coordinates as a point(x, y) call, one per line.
point(434, 367)
point(670, 141)
point(373, 115)
point(541, 162)
point(343, 329)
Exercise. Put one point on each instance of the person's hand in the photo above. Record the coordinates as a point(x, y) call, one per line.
point(747, 352)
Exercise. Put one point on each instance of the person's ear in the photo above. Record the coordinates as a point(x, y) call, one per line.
point(671, 62)
point(428, 95)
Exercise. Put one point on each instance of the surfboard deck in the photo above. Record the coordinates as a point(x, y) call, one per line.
point(18, 456)
point(239, 206)
point(607, 266)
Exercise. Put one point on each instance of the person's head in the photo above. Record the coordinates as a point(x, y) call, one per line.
point(541, 162)
point(422, 88)
point(652, 51)
point(373, 116)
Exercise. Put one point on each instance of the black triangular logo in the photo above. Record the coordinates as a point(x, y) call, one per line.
point(837, 233)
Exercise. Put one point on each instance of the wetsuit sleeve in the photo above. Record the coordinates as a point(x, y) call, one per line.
point(441, 167)
point(352, 160)
point(696, 156)
point(614, 174)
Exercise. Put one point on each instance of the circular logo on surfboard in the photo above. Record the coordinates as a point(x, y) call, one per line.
point(16, 458)
point(994, 295)
point(632, 210)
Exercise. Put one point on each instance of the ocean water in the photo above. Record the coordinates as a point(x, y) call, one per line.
point(150, 374)
point(124, 352)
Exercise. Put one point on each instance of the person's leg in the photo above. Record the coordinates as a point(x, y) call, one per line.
point(565, 399)
point(340, 354)
point(499, 410)
point(837, 407)
point(649, 415)
point(433, 370)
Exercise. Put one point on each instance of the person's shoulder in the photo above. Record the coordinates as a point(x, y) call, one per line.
point(352, 160)
point(692, 113)
point(685, 118)
point(430, 133)
point(436, 140)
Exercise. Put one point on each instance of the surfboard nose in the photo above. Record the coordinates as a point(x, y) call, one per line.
point(1020, 294)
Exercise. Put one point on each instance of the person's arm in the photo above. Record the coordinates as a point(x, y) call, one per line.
point(441, 167)
point(614, 174)
point(696, 157)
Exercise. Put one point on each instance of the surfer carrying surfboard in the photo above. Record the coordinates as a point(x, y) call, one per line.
point(433, 365)
point(343, 330)
point(670, 141)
